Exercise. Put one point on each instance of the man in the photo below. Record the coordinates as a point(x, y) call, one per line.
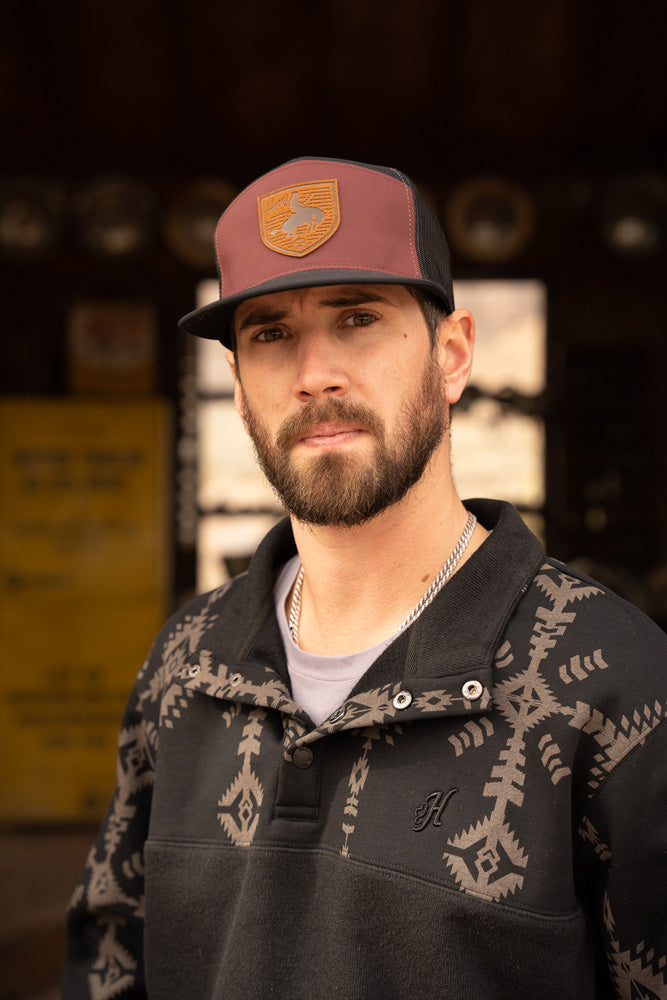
point(406, 755)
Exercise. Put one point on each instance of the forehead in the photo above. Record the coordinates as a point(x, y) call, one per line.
point(320, 296)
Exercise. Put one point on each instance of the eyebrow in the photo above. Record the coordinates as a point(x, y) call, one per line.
point(353, 298)
point(264, 316)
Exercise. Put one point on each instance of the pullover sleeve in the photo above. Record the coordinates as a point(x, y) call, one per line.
point(624, 832)
point(105, 923)
point(104, 956)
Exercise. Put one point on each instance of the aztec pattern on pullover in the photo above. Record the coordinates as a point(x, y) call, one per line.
point(505, 838)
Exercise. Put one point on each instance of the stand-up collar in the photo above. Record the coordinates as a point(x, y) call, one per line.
point(461, 628)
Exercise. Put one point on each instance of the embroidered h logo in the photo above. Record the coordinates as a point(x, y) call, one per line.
point(430, 810)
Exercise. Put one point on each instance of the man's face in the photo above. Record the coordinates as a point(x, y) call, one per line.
point(342, 397)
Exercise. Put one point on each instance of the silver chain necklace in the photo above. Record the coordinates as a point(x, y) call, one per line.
point(437, 585)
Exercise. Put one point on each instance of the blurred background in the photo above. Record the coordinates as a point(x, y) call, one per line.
point(537, 133)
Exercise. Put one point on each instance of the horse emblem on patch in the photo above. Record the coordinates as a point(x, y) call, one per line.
point(298, 219)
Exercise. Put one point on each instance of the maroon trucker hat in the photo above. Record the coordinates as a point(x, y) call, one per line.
point(316, 221)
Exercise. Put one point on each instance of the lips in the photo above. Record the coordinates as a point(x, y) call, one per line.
point(326, 434)
point(327, 424)
point(327, 430)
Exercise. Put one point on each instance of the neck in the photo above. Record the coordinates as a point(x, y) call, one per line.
point(361, 582)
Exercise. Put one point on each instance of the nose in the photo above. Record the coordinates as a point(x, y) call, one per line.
point(320, 371)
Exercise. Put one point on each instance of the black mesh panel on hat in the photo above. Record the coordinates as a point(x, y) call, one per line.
point(431, 245)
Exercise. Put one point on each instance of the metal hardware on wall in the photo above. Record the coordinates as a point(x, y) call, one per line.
point(633, 216)
point(191, 220)
point(31, 217)
point(489, 219)
point(115, 216)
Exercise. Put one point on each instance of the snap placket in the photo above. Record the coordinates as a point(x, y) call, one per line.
point(472, 690)
point(402, 700)
point(302, 757)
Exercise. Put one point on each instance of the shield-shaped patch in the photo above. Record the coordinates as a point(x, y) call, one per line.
point(298, 219)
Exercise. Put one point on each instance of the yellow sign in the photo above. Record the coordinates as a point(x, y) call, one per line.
point(84, 573)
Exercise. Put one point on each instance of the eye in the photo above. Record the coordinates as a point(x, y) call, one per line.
point(360, 318)
point(270, 334)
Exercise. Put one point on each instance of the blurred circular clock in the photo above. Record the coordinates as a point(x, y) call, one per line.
point(191, 220)
point(115, 216)
point(634, 215)
point(30, 218)
point(490, 219)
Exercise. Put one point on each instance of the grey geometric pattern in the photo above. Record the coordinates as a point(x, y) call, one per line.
point(638, 973)
point(241, 802)
point(487, 858)
point(359, 775)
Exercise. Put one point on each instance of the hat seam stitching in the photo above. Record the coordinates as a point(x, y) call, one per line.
point(411, 228)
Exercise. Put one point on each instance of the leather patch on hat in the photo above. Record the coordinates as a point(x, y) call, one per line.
point(298, 219)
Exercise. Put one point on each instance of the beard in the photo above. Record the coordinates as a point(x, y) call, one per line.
point(342, 489)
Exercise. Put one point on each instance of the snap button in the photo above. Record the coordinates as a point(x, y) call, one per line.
point(235, 679)
point(402, 699)
point(472, 690)
point(193, 671)
point(302, 757)
point(338, 714)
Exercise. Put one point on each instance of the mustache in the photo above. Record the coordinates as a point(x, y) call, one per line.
point(331, 411)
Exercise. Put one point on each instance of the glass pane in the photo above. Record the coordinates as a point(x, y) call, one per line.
point(212, 371)
point(214, 376)
point(498, 446)
point(229, 476)
point(510, 343)
point(498, 454)
point(225, 544)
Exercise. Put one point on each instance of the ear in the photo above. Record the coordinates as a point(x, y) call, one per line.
point(239, 399)
point(456, 339)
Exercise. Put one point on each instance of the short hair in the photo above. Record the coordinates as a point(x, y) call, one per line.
point(433, 310)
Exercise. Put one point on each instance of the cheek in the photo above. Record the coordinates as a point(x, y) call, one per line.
point(394, 385)
point(268, 407)
point(378, 378)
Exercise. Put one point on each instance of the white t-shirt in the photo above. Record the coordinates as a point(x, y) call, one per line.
point(319, 683)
